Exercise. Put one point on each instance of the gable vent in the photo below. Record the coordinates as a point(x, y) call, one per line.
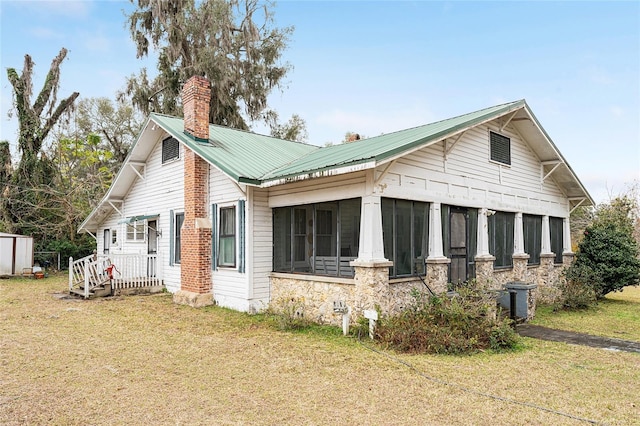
point(500, 148)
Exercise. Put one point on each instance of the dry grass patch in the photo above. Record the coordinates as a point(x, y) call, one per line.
point(144, 360)
point(617, 315)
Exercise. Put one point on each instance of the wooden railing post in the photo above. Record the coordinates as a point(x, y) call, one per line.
point(70, 272)
point(86, 279)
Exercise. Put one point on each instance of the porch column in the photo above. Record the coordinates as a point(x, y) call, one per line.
point(520, 258)
point(482, 250)
point(567, 251)
point(566, 236)
point(371, 242)
point(518, 235)
point(437, 263)
point(546, 236)
point(371, 268)
point(484, 260)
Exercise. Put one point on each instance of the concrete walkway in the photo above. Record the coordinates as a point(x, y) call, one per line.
point(544, 333)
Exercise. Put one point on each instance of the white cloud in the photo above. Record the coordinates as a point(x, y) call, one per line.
point(67, 8)
point(616, 111)
point(97, 43)
point(45, 33)
point(598, 75)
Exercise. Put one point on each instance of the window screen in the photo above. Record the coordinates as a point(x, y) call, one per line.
point(501, 226)
point(556, 230)
point(532, 237)
point(500, 148)
point(170, 149)
point(317, 238)
point(405, 235)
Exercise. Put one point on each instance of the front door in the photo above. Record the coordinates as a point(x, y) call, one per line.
point(106, 241)
point(152, 247)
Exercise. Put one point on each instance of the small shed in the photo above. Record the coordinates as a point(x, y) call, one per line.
point(16, 253)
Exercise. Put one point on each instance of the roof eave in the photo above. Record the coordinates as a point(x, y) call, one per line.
point(548, 139)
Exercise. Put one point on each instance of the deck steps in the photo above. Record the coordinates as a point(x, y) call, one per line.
point(102, 290)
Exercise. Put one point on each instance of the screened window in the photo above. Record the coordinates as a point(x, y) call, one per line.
point(179, 220)
point(135, 231)
point(114, 236)
point(170, 149)
point(317, 238)
point(500, 148)
point(501, 238)
point(532, 237)
point(325, 230)
point(556, 229)
point(405, 235)
point(227, 256)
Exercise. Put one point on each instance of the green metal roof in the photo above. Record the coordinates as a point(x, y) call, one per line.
point(255, 159)
point(387, 146)
point(243, 156)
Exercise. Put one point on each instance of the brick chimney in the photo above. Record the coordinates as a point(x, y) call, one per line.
point(196, 94)
point(195, 269)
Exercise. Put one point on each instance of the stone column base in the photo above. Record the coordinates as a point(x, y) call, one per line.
point(195, 300)
point(438, 273)
point(484, 271)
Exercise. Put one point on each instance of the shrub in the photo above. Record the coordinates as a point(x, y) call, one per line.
point(288, 313)
point(607, 259)
point(576, 293)
point(462, 324)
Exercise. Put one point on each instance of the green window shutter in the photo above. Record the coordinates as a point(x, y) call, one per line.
point(241, 237)
point(171, 238)
point(214, 236)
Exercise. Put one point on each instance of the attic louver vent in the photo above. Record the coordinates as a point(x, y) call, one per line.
point(170, 149)
point(500, 148)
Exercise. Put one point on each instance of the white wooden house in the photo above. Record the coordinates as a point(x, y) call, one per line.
point(242, 220)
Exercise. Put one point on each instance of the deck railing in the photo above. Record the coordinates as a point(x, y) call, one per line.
point(125, 271)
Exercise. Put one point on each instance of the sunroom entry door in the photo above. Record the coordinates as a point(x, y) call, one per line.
point(458, 246)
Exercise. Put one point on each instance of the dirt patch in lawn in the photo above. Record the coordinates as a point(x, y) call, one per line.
point(144, 360)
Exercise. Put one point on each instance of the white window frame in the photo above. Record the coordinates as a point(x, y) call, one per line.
point(235, 236)
point(139, 233)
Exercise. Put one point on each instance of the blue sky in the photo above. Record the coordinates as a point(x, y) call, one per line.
point(378, 66)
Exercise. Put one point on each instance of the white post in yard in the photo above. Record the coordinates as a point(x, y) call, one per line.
point(70, 272)
point(345, 321)
point(372, 316)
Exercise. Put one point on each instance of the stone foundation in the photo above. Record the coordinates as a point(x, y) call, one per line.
point(195, 300)
point(313, 297)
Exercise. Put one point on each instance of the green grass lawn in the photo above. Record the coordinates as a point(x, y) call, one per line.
point(617, 315)
point(145, 360)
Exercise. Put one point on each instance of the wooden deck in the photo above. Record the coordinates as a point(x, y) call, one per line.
point(103, 275)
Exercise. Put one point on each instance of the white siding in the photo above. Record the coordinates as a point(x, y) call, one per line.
point(230, 287)
point(467, 177)
point(318, 190)
point(160, 191)
point(260, 246)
